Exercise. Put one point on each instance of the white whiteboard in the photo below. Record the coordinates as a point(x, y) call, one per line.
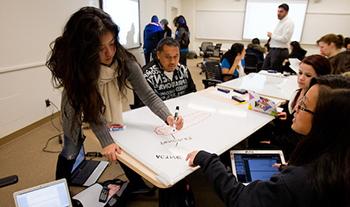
point(126, 14)
point(208, 125)
point(225, 25)
point(261, 17)
point(319, 24)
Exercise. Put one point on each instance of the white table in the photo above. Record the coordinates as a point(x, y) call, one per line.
point(212, 123)
point(272, 85)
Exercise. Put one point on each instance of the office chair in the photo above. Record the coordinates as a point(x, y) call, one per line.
point(251, 63)
point(213, 73)
point(217, 50)
point(206, 49)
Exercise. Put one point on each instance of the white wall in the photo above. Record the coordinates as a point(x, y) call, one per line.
point(322, 8)
point(29, 28)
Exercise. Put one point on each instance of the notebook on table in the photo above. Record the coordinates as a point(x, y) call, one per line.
point(251, 165)
point(86, 172)
point(54, 193)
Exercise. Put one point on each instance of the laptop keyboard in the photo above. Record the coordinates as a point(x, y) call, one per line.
point(84, 171)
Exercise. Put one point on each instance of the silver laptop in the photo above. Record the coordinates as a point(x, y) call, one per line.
point(251, 165)
point(54, 193)
point(86, 172)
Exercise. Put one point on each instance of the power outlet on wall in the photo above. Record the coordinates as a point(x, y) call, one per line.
point(47, 102)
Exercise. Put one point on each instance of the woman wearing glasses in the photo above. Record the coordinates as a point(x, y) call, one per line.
point(283, 137)
point(319, 169)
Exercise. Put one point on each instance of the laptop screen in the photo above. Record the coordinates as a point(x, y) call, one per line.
point(249, 167)
point(50, 194)
point(80, 158)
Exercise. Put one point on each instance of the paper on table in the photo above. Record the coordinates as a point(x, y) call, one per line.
point(261, 104)
point(294, 64)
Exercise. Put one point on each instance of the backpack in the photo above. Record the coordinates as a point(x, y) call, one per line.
point(185, 39)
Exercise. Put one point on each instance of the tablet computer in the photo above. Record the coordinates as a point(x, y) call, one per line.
point(251, 165)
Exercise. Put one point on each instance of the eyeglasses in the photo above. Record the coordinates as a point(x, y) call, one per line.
point(301, 106)
point(305, 109)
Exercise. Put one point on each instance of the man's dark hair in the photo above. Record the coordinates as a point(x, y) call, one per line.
point(284, 6)
point(169, 41)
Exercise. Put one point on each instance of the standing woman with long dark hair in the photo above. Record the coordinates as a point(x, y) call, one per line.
point(95, 70)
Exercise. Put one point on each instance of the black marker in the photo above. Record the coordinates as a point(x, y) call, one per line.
point(176, 112)
point(223, 90)
point(175, 117)
point(238, 99)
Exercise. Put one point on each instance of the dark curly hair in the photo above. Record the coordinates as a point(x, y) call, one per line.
point(75, 65)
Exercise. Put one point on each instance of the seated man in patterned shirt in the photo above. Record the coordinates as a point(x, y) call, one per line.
point(166, 76)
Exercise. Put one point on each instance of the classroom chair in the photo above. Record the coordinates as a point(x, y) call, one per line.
point(251, 63)
point(213, 73)
point(206, 49)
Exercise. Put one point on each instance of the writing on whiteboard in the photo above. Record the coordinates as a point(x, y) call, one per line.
point(176, 140)
point(169, 157)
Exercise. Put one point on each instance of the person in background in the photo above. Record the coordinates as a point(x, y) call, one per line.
point(94, 70)
point(347, 43)
point(319, 170)
point(165, 25)
point(296, 52)
point(330, 46)
point(151, 35)
point(182, 35)
point(166, 76)
point(255, 48)
point(230, 62)
point(279, 40)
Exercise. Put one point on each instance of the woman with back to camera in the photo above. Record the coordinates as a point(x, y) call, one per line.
point(255, 48)
point(166, 29)
point(94, 70)
point(319, 169)
point(231, 62)
point(296, 52)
